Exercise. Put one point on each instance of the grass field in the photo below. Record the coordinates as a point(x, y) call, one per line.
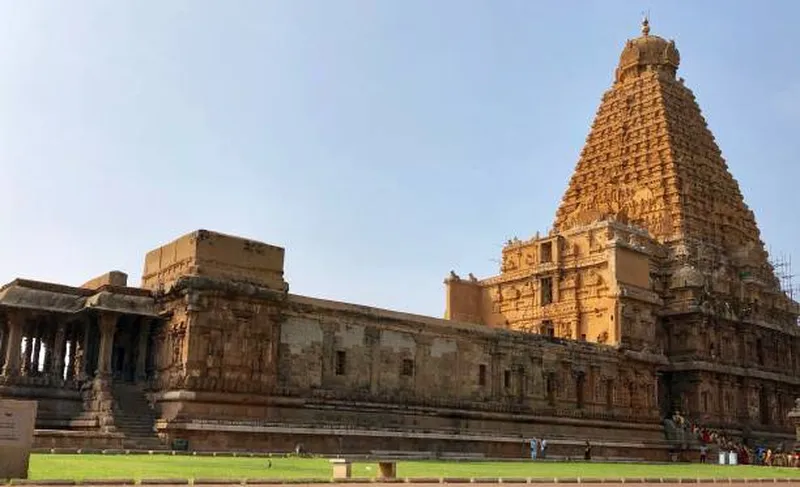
point(76, 467)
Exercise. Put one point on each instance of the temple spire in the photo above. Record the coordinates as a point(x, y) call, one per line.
point(645, 26)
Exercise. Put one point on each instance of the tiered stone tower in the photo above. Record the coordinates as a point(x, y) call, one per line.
point(654, 251)
point(650, 160)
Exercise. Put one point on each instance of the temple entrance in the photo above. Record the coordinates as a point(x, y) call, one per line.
point(131, 339)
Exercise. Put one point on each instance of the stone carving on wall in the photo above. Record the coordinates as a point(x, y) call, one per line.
point(510, 262)
point(176, 337)
point(216, 349)
point(530, 259)
point(564, 329)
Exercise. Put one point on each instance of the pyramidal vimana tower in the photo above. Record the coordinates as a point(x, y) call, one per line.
point(654, 251)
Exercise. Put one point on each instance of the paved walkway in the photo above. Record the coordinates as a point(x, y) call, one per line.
point(533, 483)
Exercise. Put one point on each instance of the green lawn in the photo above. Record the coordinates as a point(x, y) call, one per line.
point(44, 466)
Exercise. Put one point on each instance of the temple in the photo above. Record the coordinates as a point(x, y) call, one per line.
point(653, 294)
point(653, 249)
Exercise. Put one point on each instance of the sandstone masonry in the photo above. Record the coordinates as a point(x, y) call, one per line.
point(653, 294)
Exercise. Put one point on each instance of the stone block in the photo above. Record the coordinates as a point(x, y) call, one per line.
point(342, 468)
point(387, 470)
point(215, 255)
point(17, 421)
point(113, 278)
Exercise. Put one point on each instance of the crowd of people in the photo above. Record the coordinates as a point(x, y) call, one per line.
point(759, 455)
point(710, 439)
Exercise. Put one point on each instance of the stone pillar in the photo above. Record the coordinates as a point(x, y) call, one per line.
point(73, 351)
point(83, 362)
point(37, 348)
point(496, 374)
point(29, 344)
point(3, 343)
point(57, 371)
point(108, 325)
point(48, 341)
point(14, 339)
point(372, 337)
point(328, 357)
point(141, 351)
point(420, 361)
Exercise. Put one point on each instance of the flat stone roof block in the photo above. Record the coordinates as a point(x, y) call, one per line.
point(113, 278)
point(214, 255)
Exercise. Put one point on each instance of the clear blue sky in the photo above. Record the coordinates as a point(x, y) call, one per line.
point(383, 143)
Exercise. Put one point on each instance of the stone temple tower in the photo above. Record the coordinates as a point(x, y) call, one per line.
point(653, 250)
point(650, 160)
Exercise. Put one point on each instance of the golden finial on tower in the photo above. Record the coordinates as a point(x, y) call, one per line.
point(646, 24)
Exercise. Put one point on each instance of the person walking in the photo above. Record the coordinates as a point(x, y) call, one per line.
point(534, 448)
point(543, 448)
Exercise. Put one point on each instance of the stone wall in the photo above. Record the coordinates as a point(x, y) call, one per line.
point(331, 346)
point(221, 336)
point(592, 283)
point(251, 356)
point(733, 374)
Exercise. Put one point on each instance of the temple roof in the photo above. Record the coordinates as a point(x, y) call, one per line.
point(58, 298)
point(647, 52)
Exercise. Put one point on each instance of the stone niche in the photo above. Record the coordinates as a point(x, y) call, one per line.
point(214, 255)
point(17, 419)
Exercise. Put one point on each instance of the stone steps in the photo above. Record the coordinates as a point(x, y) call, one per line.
point(134, 418)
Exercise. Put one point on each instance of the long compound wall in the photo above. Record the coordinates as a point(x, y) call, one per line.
point(355, 352)
point(308, 366)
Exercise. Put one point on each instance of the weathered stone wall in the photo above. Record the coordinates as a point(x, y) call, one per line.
point(216, 340)
point(464, 300)
point(389, 356)
point(244, 354)
point(733, 374)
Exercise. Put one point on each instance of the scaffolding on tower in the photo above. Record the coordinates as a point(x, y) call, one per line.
point(782, 264)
